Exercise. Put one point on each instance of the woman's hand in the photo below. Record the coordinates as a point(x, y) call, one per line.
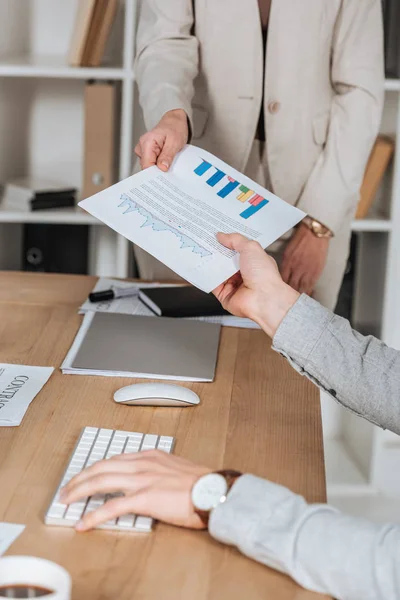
point(304, 260)
point(154, 484)
point(160, 145)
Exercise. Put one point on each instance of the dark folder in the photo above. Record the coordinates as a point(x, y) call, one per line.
point(184, 301)
point(391, 15)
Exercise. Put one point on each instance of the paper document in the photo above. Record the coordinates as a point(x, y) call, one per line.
point(175, 216)
point(8, 534)
point(19, 384)
point(133, 306)
point(130, 305)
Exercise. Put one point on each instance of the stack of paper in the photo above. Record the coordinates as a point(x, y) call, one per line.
point(28, 193)
point(133, 306)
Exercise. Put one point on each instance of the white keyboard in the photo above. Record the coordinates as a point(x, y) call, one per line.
point(93, 445)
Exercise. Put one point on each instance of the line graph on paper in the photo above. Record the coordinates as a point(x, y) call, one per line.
point(158, 225)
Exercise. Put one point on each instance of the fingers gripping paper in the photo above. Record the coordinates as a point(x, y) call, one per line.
point(175, 216)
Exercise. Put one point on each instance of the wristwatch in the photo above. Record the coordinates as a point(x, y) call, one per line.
point(319, 230)
point(211, 490)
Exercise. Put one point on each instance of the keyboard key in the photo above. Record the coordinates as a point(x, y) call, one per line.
point(135, 438)
point(165, 443)
point(132, 447)
point(149, 442)
point(143, 523)
point(126, 521)
point(105, 434)
point(57, 511)
point(72, 517)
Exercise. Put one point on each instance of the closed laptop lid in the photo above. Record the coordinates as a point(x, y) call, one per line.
point(154, 346)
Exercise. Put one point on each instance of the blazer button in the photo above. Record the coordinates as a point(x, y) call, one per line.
point(274, 107)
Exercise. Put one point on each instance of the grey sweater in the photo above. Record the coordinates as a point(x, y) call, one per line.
point(322, 549)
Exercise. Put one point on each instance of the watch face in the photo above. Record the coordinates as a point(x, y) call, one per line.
point(208, 491)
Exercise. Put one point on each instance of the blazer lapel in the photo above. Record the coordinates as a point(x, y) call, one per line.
point(235, 28)
point(293, 36)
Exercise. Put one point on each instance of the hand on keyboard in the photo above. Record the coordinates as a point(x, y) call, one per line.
point(154, 484)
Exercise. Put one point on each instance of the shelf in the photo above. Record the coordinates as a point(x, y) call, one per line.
point(55, 67)
point(342, 474)
point(392, 85)
point(74, 216)
point(375, 507)
point(372, 224)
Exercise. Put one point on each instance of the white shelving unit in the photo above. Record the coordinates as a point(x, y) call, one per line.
point(41, 116)
point(69, 216)
point(55, 67)
point(360, 457)
point(41, 132)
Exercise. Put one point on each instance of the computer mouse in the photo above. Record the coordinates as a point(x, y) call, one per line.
point(156, 394)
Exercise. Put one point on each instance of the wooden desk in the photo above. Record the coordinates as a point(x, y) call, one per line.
point(258, 416)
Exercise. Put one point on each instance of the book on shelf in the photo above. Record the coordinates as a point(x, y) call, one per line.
point(93, 24)
point(31, 194)
point(102, 23)
point(100, 152)
point(80, 33)
point(377, 164)
point(391, 18)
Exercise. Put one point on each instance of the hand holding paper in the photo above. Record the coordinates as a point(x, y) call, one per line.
point(175, 216)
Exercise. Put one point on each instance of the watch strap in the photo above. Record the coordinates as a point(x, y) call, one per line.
point(317, 228)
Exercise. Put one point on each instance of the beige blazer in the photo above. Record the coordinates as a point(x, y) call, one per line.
point(324, 82)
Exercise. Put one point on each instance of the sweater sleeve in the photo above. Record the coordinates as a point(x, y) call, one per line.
point(360, 372)
point(319, 547)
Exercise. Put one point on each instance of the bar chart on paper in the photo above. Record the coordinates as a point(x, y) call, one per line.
point(231, 186)
point(175, 216)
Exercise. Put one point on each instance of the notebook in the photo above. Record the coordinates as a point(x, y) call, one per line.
point(185, 301)
point(120, 345)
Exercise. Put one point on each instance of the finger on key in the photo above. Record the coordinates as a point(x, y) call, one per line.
point(102, 484)
point(102, 467)
point(107, 512)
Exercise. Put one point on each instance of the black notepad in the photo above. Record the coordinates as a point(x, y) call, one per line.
point(185, 301)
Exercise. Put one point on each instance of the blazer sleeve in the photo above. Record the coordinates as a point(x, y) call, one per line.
point(166, 58)
point(360, 372)
point(331, 193)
